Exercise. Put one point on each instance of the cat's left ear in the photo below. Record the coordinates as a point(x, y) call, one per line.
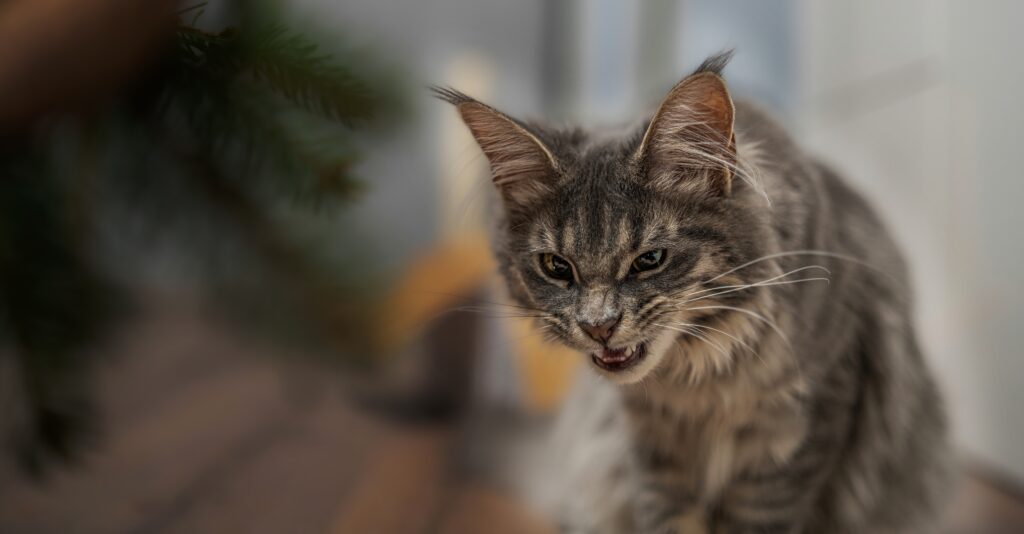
point(690, 143)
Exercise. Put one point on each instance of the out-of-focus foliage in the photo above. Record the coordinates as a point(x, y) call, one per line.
point(228, 140)
point(53, 305)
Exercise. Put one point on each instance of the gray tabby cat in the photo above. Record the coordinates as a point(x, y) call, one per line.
point(746, 311)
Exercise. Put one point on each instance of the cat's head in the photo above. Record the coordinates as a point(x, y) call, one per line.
point(612, 243)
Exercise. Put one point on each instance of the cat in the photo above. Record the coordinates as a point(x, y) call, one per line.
point(745, 316)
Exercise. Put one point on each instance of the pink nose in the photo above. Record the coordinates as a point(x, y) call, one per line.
point(600, 332)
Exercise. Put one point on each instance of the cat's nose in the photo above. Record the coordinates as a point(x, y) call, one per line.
point(601, 332)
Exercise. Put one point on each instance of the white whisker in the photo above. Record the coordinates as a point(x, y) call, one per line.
point(699, 336)
point(500, 314)
point(824, 253)
point(753, 314)
point(724, 333)
point(741, 168)
point(783, 275)
point(759, 284)
point(478, 301)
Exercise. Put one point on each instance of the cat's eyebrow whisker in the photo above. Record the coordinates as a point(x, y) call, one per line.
point(753, 314)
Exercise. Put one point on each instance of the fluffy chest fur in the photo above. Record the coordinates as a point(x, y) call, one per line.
point(737, 420)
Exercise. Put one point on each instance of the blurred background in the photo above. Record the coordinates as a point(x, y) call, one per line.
point(244, 280)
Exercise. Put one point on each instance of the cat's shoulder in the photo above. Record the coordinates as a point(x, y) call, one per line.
point(755, 122)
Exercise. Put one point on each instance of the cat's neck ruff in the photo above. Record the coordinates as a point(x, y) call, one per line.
point(728, 372)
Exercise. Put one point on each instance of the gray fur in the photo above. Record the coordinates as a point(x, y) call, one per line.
point(796, 407)
point(716, 64)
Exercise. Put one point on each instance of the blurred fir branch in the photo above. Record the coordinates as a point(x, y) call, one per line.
point(52, 305)
point(238, 129)
point(245, 89)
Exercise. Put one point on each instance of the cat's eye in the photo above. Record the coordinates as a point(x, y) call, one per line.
point(648, 260)
point(556, 266)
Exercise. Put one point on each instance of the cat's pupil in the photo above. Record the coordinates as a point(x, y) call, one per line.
point(648, 260)
point(556, 267)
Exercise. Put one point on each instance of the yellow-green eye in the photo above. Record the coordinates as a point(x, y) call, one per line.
point(556, 267)
point(648, 260)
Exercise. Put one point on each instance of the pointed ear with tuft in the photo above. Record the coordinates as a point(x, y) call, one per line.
point(522, 168)
point(689, 144)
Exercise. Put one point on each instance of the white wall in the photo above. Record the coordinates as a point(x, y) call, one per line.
point(919, 102)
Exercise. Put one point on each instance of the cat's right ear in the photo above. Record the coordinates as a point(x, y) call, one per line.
point(521, 166)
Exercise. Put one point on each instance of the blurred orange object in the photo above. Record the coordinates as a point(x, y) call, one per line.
point(450, 274)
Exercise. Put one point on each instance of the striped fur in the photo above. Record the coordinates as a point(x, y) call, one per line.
point(782, 390)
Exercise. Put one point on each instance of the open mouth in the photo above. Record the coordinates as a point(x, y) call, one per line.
point(615, 360)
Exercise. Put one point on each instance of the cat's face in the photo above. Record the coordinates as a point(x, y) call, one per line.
point(612, 265)
point(612, 245)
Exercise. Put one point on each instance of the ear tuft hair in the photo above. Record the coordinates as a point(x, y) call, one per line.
point(450, 95)
point(716, 64)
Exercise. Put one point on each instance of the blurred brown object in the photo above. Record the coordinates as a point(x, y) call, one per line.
point(63, 55)
point(205, 434)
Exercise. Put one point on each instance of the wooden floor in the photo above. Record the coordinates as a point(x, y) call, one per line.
point(204, 434)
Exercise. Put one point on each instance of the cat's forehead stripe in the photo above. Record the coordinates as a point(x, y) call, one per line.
point(587, 223)
point(622, 232)
point(568, 244)
point(604, 224)
point(636, 232)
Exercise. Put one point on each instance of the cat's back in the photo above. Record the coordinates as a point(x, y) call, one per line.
point(813, 206)
point(901, 451)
